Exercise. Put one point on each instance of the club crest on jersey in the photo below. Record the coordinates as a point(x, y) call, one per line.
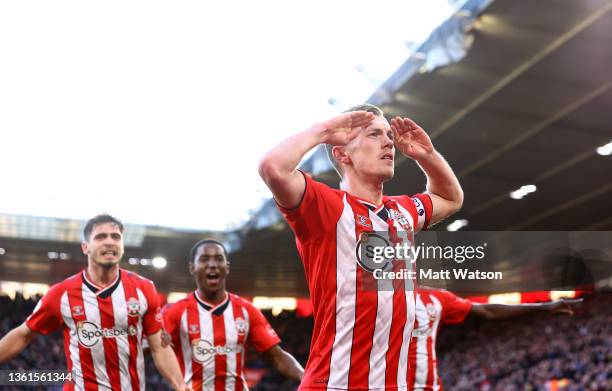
point(133, 307)
point(77, 310)
point(363, 220)
point(241, 326)
point(431, 310)
point(194, 329)
point(400, 218)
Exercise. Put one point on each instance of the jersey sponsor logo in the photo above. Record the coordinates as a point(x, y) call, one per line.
point(133, 307)
point(77, 310)
point(89, 333)
point(364, 252)
point(204, 351)
point(241, 326)
point(422, 331)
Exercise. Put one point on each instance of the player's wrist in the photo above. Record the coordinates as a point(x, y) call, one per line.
point(319, 133)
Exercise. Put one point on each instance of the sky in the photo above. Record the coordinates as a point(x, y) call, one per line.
point(158, 112)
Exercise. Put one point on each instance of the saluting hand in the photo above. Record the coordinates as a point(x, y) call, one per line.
point(343, 128)
point(411, 139)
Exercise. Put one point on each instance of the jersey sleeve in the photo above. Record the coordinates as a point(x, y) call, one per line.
point(420, 207)
point(454, 308)
point(261, 334)
point(47, 316)
point(170, 316)
point(317, 212)
point(152, 320)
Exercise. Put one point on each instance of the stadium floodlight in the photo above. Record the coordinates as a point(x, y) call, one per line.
point(456, 225)
point(605, 150)
point(2, 251)
point(133, 261)
point(159, 262)
point(522, 192)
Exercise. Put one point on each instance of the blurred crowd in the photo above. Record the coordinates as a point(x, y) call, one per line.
point(535, 353)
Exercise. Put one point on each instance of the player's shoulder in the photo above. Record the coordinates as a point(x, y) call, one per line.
point(322, 187)
point(242, 302)
point(178, 307)
point(439, 293)
point(73, 282)
point(139, 281)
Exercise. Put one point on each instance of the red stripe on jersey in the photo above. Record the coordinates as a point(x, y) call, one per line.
point(130, 292)
point(87, 365)
point(193, 318)
point(396, 334)
point(111, 351)
point(220, 359)
point(239, 356)
point(366, 303)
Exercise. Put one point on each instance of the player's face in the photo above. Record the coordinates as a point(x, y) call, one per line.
point(210, 267)
point(372, 152)
point(105, 245)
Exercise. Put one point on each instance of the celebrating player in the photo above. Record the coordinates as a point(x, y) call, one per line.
point(437, 306)
point(361, 333)
point(209, 328)
point(104, 312)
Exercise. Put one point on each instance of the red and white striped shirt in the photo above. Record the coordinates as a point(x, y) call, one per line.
point(433, 306)
point(102, 328)
point(361, 331)
point(209, 341)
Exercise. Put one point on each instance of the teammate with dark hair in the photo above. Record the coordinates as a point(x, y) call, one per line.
point(104, 312)
point(210, 328)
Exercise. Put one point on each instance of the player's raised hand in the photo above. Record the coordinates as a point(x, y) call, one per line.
point(410, 138)
point(343, 128)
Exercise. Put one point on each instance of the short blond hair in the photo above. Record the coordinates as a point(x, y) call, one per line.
point(377, 111)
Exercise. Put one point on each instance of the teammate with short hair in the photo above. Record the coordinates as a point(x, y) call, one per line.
point(435, 307)
point(210, 328)
point(103, 312)
point(361, 332)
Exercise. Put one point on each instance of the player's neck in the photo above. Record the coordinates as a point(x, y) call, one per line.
point(212, 297)
point(368, 190)
point(102, 276)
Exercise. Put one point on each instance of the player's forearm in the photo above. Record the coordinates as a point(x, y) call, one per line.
point(288, 366)
point(14, 342)
point(505, 311)
point(441, 180)
point(168, 366)
point(285, 157)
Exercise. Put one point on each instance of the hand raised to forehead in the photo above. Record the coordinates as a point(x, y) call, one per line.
point(343, 128)
point(410, 138)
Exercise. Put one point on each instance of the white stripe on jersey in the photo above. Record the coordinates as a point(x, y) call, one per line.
point(434, 327)
point(245, 315)
point(121, 322)
point(231, 339)
point(92, 312)
point(207, 333)
point(140, 364)
point(186, 348)
point(422, 357)
point(384, 313)
point(346, 273)
point(77, 371)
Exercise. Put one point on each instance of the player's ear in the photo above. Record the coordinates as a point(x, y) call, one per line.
point(340, 154)
point(227, 267)
point(85, 247)
point(191, 268)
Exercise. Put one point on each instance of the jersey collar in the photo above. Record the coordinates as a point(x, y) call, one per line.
point(102, 292)
point(214, 309)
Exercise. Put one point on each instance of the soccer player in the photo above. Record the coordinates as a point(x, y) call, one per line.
point(210, 328)
point(361, 333)
point(437, 306)
point(104, 312)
